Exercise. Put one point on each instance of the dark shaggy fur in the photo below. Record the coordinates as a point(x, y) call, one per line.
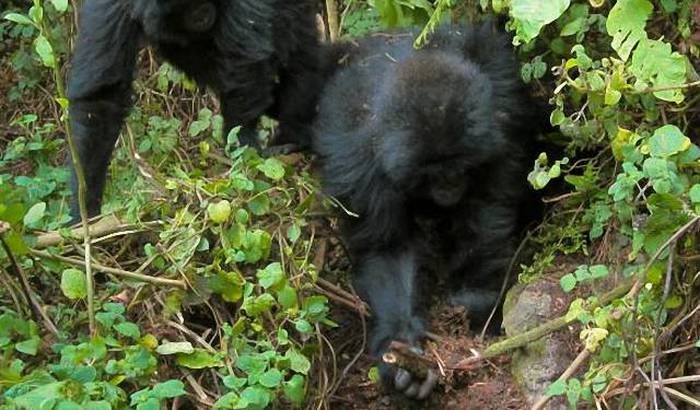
point(259, 56)
point(430, 148)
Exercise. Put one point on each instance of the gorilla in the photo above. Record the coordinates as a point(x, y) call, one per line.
point(259, 56)
point(429, 150)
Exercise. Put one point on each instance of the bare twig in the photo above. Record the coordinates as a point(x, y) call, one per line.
point(38, 310)
point(578, 361)
point(114, 271)
point(403, 356)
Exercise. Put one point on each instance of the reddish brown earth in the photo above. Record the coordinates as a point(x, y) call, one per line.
point(488, 387)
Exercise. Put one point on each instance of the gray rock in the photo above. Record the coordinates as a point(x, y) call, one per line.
point(540, 363)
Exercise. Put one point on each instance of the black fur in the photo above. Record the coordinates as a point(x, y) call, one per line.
point(259, 56)
point(430, 148)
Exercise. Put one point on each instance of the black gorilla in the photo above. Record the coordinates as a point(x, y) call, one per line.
point(430, 148)
point(259, 56)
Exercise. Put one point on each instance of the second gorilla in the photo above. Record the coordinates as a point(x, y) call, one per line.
point(430, 148)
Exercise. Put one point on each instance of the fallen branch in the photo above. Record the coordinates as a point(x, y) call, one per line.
point(104, 226)
point(553, 325)
point(628, 286)
point(406, 357)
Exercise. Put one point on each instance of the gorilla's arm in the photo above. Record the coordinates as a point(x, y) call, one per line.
point(99, 90)
point(388, 281)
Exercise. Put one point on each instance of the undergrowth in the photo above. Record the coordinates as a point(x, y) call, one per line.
point(207, 289)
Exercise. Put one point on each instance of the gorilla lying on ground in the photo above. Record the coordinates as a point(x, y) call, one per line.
point(259, 56)
point(430, 148)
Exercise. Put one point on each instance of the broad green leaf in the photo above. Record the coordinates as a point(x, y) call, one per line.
point(29, 346)
point(169, 389)
point(694, 193)
point(293, 232)
point(219, 212)
point(655, 65)
point(626, 23)
point(271, 275)
point(531, 15)
point(299, 362)
point(199, 359)
point(128, 329)
point(45, 51)
point(35, 213)
point(169, 348)
point(295, 389)
point(19, 19)
point(568, 282)
point(593, 337)
point(557, 388)
point(668, 140)
point(272, 168)
point(271, 378)
point(60, 5)
point(598, 271)
point(73, 284)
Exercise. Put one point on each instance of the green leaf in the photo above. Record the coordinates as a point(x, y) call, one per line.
point(694, 193)
point(73, 284)
point(60, 5)
point(272, 168)
point(271, 378)
point(293, 232)
point(568, 282)
point(29, 346)
point(169, 348)
point(128, 329)
point(35, 213)
point(668, 140)
point(271, 275)
point(45, 51)
point(19, 19)
point(200, 359)
point(169, 389)
point(557, 388)
point(98, 405)
point(295, 389)
point(299, 362)
point(219, 212)
point(654, 64)
point(625, 24)
point(531, 15)
point(259, 205)
point(598, 271)
point(287, 297)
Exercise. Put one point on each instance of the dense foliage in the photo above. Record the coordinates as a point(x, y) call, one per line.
point(207, 282)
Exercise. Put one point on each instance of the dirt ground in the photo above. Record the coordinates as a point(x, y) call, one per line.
point(488, 387)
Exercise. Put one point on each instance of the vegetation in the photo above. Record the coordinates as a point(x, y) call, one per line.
point(206, 281)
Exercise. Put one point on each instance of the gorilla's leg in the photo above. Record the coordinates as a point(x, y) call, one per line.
point(481, 268)
point(388, 282)
point(248, 94)
point(99, 89)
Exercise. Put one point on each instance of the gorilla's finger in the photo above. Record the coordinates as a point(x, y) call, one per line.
point(412, 390)
point(402, 379)
point(428, 385)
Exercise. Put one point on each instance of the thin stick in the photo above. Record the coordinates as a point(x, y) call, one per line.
point(333, 25)
point(578, 361)
point(114, 271)
point(27, 289)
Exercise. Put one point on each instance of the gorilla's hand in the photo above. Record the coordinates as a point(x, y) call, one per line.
point(410, 384)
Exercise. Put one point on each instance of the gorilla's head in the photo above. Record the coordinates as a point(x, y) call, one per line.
point(438, 124)
point(176, 21)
